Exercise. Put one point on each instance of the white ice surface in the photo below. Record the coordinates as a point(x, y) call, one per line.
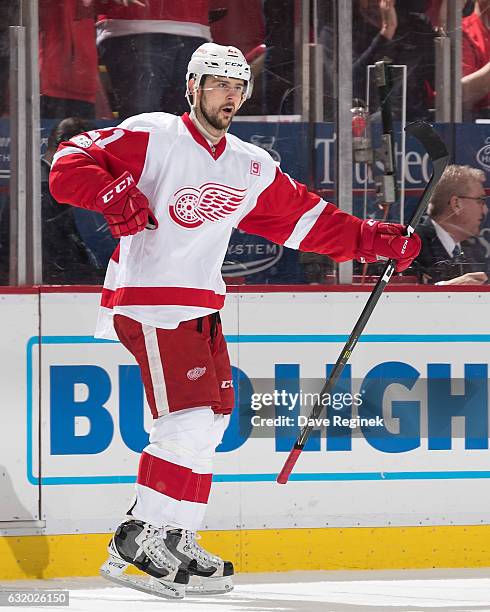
point(274, 592)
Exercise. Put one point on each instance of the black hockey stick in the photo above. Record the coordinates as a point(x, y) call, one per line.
point(438, 154)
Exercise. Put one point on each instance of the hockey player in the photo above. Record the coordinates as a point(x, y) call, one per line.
point(173, 188)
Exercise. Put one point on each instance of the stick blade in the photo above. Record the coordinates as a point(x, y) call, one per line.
point(288, 466)
point(428, 138)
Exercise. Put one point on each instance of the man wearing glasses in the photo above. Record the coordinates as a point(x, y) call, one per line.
point(450, 253)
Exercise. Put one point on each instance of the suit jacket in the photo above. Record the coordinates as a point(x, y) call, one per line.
point(433, 263)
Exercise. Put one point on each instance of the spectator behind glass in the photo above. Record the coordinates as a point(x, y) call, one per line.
point(278, 79)
point(67, 58)
point(476, 61)
point(241, 23)
point(437, 11)
point(401, 32)
point(66, 259)
point(146, 49)
point(456, 212)
point(316, 268)
point(9, 15)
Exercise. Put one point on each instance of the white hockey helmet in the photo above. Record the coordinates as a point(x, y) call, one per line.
point(219, 60)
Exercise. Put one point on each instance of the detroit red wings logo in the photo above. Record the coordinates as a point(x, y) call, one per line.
point(190, 207)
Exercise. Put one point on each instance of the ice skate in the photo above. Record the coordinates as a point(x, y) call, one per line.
point(211, 575)
point(144, 546)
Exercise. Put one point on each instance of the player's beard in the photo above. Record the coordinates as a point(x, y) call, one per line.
point(214, 119)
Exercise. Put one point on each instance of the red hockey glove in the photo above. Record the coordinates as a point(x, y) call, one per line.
point(125, 207)
point(387, 240)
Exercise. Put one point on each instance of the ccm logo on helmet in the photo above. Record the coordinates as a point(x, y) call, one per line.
point(120, 187)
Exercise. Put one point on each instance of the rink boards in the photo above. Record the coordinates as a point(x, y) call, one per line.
point(410, 492)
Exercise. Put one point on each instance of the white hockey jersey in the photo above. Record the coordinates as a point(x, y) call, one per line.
point(198, 193)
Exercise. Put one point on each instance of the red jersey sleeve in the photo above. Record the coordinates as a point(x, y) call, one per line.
point(288, 214)
point(90, 161)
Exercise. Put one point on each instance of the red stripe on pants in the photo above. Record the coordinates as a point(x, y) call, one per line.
point(173, 480)
point(163, 476)
point(198, 488)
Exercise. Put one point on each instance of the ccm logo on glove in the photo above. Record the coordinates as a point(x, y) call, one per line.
point(119, 188)
point(125, 207)
point(388, 240)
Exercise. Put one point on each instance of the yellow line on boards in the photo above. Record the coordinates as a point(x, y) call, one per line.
point(265, 550)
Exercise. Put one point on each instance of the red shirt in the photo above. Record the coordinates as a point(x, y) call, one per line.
point(243, 25)
point(476, 51)
point(67, 52)
point(193, 11)
point(432, 11)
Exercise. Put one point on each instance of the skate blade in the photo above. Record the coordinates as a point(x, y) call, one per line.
point(154, 587)
point(113, 569)
point(210, 586)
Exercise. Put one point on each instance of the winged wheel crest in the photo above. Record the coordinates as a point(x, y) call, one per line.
point(190, 207)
